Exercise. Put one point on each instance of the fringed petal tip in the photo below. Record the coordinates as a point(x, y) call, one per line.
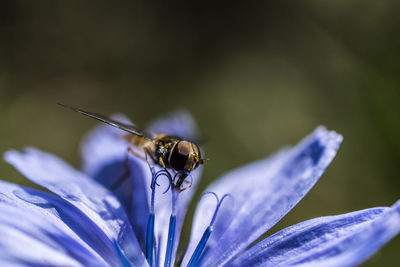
point(7, 156)
point(397, 206)
point(322, 130)
point(325, 137)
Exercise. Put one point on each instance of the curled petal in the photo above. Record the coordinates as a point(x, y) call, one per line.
point(263, 193)
point(92, 199)
point(343, 240)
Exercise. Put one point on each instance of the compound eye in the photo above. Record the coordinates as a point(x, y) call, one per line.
point(183, 148)
point(180, 155)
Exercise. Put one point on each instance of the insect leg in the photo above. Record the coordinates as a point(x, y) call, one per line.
point(131, 150)
point(147, 154)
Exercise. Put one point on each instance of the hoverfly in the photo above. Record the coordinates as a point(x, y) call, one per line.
point(167, 151)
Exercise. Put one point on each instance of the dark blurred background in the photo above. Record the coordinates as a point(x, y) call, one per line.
point(256, 75)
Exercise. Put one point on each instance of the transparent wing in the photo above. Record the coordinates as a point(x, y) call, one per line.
point(125, 127)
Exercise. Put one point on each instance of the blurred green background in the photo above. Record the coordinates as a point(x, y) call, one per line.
point(256, 75)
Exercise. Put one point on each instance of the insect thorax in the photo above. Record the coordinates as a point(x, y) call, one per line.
point(164, 146)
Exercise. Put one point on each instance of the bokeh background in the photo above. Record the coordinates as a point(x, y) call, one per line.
point(256, 75)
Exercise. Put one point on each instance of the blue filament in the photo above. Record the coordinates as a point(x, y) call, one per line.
point(150, 239)
point(200, 247)
point(195, 259)
point(171, 228)
point(170, 242)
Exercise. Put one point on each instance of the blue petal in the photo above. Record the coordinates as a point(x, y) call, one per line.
point(263, 193)
point(62, 214)
point(343, 240)
point(95, 201)
point(31, 239)
point(104, 153)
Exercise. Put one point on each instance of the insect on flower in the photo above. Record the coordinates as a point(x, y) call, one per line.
point(169, 152)
point(86, 221)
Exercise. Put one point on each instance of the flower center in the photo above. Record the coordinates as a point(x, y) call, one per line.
point(150, 239)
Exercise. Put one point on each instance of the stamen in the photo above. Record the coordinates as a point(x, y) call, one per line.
point(150, 246)
point(195, 259)
point(150, 239)
point(166, 174)
point(217, 209)
point(150, 222)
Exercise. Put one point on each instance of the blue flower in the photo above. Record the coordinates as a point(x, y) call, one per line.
point(100, 216)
